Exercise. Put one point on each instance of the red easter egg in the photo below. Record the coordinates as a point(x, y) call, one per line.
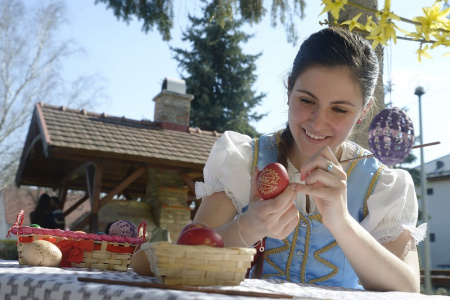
point(200, 236)
point(272, 180)
point(194, 225)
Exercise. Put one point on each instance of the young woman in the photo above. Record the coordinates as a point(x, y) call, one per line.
point(351, 224)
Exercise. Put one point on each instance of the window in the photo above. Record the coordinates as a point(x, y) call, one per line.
point(432, 237)
point(429, 191)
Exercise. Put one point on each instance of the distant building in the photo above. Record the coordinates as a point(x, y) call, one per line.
point(438, 204)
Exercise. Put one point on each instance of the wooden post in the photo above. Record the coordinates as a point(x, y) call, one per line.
point(94, 183)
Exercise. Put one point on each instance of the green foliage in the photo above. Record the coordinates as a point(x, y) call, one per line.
point(159, 13)
point(415, 173)
point(219, 75)
point(8, 249)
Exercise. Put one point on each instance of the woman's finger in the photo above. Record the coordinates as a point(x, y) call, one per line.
point(327, 178)
point(318, 160)
point(323, 160)
point(286, 222)
point(254, 194)
point(317, 190)
point(280, 204)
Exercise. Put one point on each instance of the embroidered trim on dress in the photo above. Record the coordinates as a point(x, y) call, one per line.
point(334, 268)
point(270, 262)
point(255, 154)
point(353, 164)
point(371, 187)
point(291, 253)
point(306, 251)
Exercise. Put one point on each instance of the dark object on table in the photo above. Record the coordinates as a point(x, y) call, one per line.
point(47, 213)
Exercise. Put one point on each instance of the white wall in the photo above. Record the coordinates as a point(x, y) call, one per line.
point(3, 225)
point(438, 223)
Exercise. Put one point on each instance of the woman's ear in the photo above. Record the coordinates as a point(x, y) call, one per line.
point(288, 93)
point(366, 109)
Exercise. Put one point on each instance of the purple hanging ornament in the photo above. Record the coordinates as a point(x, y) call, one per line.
point(391, 136)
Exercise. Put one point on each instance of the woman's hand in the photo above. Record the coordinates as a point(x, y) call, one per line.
point(274, 218)
point(326, 182)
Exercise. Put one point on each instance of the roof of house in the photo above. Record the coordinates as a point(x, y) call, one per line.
point(438, 168)
point(60, 140)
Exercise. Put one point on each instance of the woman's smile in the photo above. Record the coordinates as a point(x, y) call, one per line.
point(315, 138)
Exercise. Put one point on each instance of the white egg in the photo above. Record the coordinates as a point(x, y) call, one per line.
point(42, 253)
point(140, 263)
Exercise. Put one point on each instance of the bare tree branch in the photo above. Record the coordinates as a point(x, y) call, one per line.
point(31, 60)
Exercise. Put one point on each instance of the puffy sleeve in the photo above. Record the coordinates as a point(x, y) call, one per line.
point(228, 169)
point(393, 207)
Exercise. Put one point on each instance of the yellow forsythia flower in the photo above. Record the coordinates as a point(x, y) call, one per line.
point(334, 6)
point(354, 23)
point(422, 52)
point(442, 38)
point(432, 20)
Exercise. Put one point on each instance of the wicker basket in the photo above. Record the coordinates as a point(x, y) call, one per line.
point(100, 251)
point(198, 265)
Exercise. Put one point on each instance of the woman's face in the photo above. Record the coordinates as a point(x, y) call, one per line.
point(324, 105)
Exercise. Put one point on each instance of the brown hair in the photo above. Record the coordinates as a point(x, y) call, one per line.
point(333, 47)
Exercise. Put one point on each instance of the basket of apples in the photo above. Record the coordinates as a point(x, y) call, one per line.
point(198, 258)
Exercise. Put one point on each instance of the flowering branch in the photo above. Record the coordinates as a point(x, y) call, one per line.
point(433, 23)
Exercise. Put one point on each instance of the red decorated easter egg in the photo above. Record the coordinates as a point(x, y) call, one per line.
point(200, 236)
point(194, 225)
point(272, 180)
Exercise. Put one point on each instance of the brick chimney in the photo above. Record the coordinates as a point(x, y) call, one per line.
point(173, 105)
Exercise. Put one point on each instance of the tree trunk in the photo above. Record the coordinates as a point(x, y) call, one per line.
point(360, 134)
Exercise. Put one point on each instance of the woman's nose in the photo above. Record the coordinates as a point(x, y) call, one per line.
point(318, 119)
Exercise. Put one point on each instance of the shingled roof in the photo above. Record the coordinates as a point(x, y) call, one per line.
point(60, 140)
point(438, 169)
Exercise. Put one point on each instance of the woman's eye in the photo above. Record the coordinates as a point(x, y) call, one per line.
point(340, 110)
point(306, 101)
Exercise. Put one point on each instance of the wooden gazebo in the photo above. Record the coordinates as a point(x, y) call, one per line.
point(107, 156)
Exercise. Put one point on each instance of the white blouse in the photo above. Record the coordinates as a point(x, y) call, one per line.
point(392, 206)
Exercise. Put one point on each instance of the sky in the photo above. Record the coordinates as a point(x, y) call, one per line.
point(134, 65)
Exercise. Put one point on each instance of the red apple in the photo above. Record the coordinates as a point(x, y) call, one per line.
point(193, 225)
point(200, 236)
point(272, 180)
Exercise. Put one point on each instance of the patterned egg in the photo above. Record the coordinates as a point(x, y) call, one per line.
point(272, 180)
point(391, 136)
point(42, 253)
point(123, 228)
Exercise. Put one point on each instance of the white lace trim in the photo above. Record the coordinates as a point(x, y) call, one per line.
point(235, 201)
point(391, 234)
point(418, 233)
point(203, 189)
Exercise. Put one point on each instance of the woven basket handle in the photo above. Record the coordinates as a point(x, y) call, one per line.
point(144, 231)
point(18, 223)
